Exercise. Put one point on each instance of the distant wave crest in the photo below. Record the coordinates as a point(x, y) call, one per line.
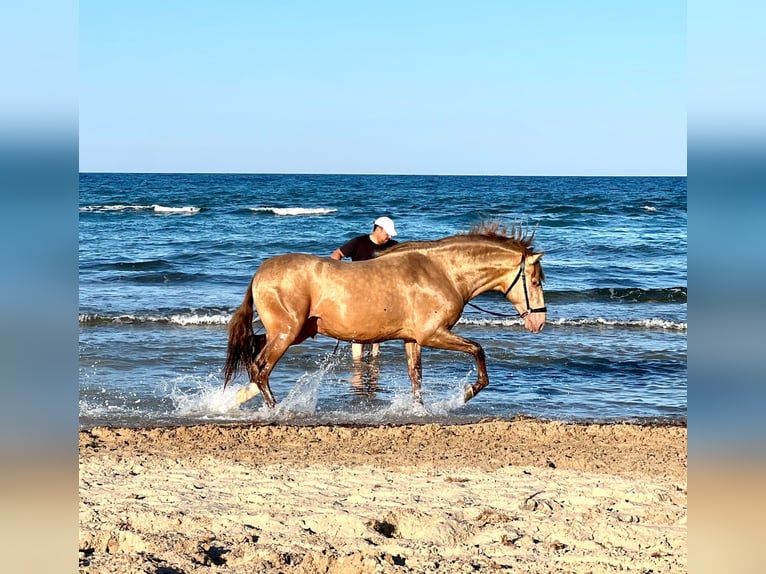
point(645, 324)
point(220, 317)
point(295, 210)
point(163, 209)
point(183, 319)
point(650, 324)
point(188, 210)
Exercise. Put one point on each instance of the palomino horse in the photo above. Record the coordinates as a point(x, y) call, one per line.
point(415, 291)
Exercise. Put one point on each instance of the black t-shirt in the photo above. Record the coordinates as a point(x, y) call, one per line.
point(362, 247)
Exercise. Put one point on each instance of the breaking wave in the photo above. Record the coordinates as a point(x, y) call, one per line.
point(155, 208)
point(282, 211)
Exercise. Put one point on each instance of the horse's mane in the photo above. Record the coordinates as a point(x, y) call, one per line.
point(515, 236)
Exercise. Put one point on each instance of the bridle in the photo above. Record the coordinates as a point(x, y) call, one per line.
point(520, 275)
point(526, 295)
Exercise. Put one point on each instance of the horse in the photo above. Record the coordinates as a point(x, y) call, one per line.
point(414, 291)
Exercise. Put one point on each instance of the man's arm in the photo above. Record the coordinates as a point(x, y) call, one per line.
point(345, 250)
point(337, 254)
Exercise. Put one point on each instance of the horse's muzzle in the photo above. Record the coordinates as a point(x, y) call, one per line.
point(535, 322)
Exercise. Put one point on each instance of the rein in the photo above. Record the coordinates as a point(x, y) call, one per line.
point(529, 310)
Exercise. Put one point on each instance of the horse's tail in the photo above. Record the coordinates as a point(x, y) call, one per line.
point(243, 345)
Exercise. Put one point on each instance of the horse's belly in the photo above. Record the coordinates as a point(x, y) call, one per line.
point(361, 333)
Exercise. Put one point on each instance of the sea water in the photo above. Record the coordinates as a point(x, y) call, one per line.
point(165, 259)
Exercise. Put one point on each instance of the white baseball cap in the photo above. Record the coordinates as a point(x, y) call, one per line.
point(387, 224)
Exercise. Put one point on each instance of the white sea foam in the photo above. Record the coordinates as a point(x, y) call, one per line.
point(648, 208)
point(154, 207)
point(295, 210)
point(637, 323)
point(495, 322)
point(89, 208)
point(182, 210)
point(88, 409)
point(199, 319)
point(183, 319)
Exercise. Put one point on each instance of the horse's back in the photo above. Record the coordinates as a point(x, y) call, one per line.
point(287, 263)
point(306, 265)
point(306, 273)
point(290, 272)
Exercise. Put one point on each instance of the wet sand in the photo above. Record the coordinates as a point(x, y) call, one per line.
point(523, 495)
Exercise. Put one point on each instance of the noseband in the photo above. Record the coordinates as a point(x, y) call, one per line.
point(523, 277)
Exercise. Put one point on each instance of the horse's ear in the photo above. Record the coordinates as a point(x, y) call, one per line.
point(532, 259)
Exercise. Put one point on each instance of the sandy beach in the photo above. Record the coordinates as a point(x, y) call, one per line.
point(521, 496)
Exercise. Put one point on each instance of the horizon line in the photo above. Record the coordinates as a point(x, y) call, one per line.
point(369, 174)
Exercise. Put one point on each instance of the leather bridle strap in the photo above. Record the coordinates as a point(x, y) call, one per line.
point(523, 277)
point(519, 275)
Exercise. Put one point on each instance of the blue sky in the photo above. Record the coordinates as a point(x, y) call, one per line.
point(492, 88)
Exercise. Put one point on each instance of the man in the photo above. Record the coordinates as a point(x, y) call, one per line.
point(366, 247)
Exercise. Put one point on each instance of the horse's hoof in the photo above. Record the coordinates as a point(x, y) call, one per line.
point(468, 393)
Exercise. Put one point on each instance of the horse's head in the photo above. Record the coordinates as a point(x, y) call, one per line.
point(525, 292)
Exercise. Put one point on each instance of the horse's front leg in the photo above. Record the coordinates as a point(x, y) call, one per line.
point(415, 368)
point(445, 339)
point(482, 380)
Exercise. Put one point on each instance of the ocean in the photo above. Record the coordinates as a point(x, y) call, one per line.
point(165, 259)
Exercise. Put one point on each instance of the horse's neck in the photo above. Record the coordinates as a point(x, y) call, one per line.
point(476, 268)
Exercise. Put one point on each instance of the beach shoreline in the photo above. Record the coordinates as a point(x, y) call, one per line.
point(526, 495)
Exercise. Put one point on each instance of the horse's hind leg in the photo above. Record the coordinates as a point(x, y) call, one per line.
point(272, 352)
point(270, 349)
point(414, 368)
point(262, 382)
point(269, 356)
point(248, 392)
point(257, 385)
point(259, 372)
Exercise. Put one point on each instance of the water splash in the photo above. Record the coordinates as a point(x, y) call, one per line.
point(208, 399)
point(302, 400)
